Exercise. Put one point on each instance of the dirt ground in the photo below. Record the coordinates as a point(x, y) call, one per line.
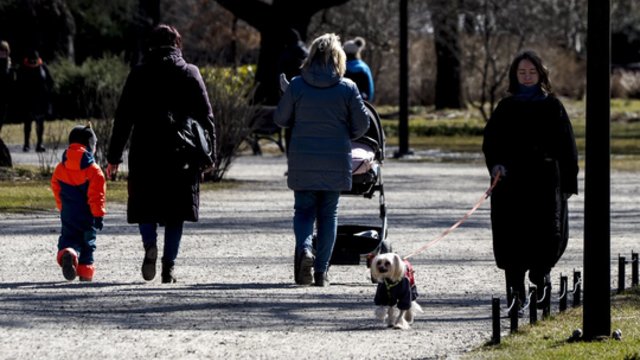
point(235, 298)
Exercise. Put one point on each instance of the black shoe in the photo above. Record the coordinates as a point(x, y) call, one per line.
point(167, 272)
point(149, 262)
point(68, 268)
point(40, 149)
point(304, 268)
point(321, 279)
point(26, 148)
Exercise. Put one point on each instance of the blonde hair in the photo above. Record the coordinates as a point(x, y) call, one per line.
point(5, 46)
point(326, 50)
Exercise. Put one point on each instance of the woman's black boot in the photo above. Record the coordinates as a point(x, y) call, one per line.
point(167, 272)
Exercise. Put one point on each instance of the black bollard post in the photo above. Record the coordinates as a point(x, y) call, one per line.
point(495, 316)
point(577, 288)
point(634, 269)
point(564, 283)
point(621, 273)
point(513, 314)
point(533, 305)
point(546, 309)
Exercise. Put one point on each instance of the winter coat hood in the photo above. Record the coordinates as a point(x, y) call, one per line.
point(168, 55)
point(77, 157)
point(320, 76)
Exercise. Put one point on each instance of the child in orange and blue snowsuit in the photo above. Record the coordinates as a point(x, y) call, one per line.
point(79, 187)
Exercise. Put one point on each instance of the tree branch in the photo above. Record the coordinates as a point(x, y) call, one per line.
point(254, 12)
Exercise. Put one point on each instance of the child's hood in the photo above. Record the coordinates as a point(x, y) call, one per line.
point(77, 157)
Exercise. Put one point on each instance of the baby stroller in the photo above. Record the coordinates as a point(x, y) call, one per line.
point(357, 244)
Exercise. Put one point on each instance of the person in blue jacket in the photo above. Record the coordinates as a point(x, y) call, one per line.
point(357, 69)
point(324, 111)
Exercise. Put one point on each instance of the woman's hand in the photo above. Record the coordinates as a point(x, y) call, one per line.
point(112, 171)
point(498, 170)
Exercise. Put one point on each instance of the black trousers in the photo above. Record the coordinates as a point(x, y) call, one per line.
point(39, 130)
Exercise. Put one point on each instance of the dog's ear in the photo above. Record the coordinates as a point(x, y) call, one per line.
point(375, 274)
point(398, 268)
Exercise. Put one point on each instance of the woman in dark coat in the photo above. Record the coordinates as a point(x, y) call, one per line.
point(162, 189)
point(529, 142)
point(33, 88)
point(7, 79)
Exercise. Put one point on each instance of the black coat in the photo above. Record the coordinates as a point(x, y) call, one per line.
point(160, 190)
point(534, 141)
point(33, 91)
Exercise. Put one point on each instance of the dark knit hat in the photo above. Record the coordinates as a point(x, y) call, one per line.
point(83, 135)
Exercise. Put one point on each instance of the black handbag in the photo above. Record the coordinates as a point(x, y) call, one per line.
point(193, 144)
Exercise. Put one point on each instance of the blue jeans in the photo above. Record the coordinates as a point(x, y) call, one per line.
point(320, 206)
point(172, 236)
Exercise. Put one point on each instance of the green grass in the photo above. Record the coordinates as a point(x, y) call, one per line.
point(58, 129)
point(461, 130)
point(548, 338)
point(25, 190)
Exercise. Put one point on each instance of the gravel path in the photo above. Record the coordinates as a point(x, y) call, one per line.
point(235, 297)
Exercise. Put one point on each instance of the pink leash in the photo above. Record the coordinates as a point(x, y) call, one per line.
point(464, 218)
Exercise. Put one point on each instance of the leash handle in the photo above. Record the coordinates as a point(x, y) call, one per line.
point(459, 222)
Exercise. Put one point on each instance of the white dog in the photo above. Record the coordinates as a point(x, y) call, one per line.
point(396, 294)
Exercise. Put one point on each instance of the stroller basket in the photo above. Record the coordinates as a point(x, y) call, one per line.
point(354, 243)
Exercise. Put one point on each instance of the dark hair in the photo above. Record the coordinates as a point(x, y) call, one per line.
point(32, 54)
point(543, 73)
point(164, 35)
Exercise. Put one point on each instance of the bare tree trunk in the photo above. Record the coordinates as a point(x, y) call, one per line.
point(444, 16)
point(146, 19)
point(46, 25)
point(271, 20)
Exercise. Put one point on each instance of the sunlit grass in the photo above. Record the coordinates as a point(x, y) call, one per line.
point(25, 190)
point(548, 338)
point(31, 195)
point(14, 133)
point(461, 131)
point(450, 131)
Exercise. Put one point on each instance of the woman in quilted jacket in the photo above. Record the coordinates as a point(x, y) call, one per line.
point(324, 111)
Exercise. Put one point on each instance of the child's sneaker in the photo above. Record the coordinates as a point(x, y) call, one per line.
point(68, 259)
point(85, 272)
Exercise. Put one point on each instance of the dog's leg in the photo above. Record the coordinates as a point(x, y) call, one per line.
point(391, 316)
point(400, 322)
point(381, 312)
point(411, 314)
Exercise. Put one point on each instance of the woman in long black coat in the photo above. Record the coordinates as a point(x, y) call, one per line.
point(529, 142)
point(163, 191)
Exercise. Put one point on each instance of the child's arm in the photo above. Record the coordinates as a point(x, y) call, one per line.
point(55, 187)
point(97, 190)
